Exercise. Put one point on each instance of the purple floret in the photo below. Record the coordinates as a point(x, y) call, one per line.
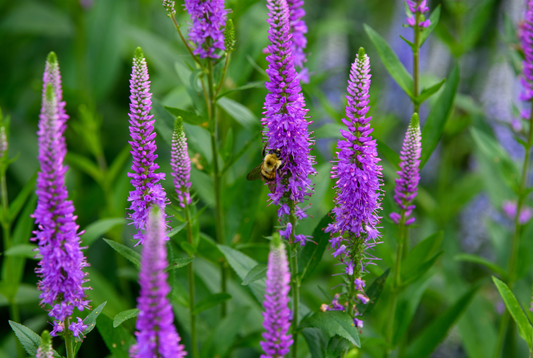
point(60, 269)
point(417, 7)
point(277, 315)
point(208, 19)
point(299, 41)
point(156, 333)
point(180, 163)
point(526, 39)
point(285, 116)
point(148, 191)
point(407, 183)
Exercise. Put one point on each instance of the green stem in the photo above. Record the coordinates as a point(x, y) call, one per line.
point(6, 224)
point(217, 179)
point(191, 286)
point(223, 75)
point(186, 43)
point(69, 341)
point(416, 65)
point(295, 282)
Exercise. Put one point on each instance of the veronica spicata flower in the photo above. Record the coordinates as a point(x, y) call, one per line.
point(277, 315)
point(180, 163)
point(60, 269)
point(358, 175)
point(526, 40)
point(156, 334)
point(417, 7)
point(298, 29)
point(407, 183)
point(208, 19)
point(285, 122)
point(148, 191)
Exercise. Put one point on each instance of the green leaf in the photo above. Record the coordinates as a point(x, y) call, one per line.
point(28, 338)
point(164, 121)
point(389, 154)
point(117, 339)
point(434, 18)
point(413, 273)
point(474, 27)
point(210, 301)
point(118, 164)
point(177, 263)
point(316, 341)
point(482, 261)
point(240, 113)
point(233, 159)
point(90, 321)
point(221, 340)
point(437, 117)
point(17, 204)
point(391, 61)
point(23, 250)
point(335, 322)
point(257, 273)
point(311, 254)
point(417, 259)
point(188, 117)
point(177, 229)
point(524, 327)
point(85, 165)
point(337, 346)
point(124, 316)
point(373, 293)
point(257, 84)
point(426, 342)
point(188, 248)
point(428, 92)
point(47, 20)
point(99, 228)
point(125, 251)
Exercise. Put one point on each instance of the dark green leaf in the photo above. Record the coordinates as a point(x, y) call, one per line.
point(482, 261)
point(90, 321)
point(23, 250)
point(99, 228)
point(17, 204)
point(257, 273)
point(420, 254)
point(221, 340)
point(257, 84)
point(389, 154)
point(434, 18)
point(413, 273)
point(336, 322)
point(177, 263)
point(188, 117)
point(118, 340)
point(337, 346)
point(373, 293)
point(426, 342)
point(164, 121)
point(311, 254)
point(125, 251)
point(240, 113)
point(47, 20)
point(118, 165)
point(428, 92)
point(437, 117)
point(188, 248)
point(210, 301)
point(391, 61)
point(177, 229)
point(124, 316)
point(524, 327)
point(85, 165)
point(316, 341)
point(475, 26)
point(240, 153)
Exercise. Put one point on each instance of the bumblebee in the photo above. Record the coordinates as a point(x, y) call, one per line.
point(267, 170)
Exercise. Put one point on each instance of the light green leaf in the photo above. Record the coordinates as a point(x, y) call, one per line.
point(28, 338)
point(90, 322)
point(482, 261)
point(257, 84)
point(434, 18)
point(23, 250)
point(177, 263)
point(124, 316)
point(210, 301)
point(257, 273)
point(240, 113)
point(177, 229)
point(85, 165)
point(117, 339)
point(99, 228)
point(129, 254)
point(389, 154)
point(188, 117)
point(336, 322)
point(428, 92)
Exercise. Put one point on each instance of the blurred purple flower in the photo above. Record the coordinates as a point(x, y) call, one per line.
point(298, 29)
point(86, 4)
point(285, 122)
point(169, 7)
point(180, 163)
point(156, 334)
point(526, 39)
point(417, 7)
point(509, 209)
point(61, 266)
point(407, 183)
point(277, 315)
point(148, 191)
point(208, 18)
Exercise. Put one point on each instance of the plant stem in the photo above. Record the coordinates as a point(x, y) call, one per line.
point(416, 65)
point(223, 75)
point(211, 105)
point(186, 43)
point(294, 280)
point(69, 342)
point(6, 223)
point(190, 269)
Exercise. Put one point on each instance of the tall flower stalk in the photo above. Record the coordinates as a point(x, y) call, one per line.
point(147, 189)
point(354, 231)
point(181, 172)
point(526, 40)
point(156, 333)
point(209, 39)
point(60, 269)
point(286, 129)
point(277, 316)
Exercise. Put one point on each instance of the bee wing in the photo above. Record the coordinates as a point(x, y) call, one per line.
point(272, 186)
point(254, 174)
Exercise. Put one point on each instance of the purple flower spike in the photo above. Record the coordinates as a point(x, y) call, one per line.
point(208, 18)
point(61, 267)
point(156, 334)
point(277, 315)
point(299, 41)
point(285, 122)
point(145, 180)
point(417, 7)
point(180, 163)
point(526, 39)
point(407, 183)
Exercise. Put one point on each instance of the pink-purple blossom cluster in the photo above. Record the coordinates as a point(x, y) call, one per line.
point(180, 163)
point(417, 8)
point(208, 19)
point(299, 41)
point(526, 40)
point(147, 189)
point(60, 269)
point(284, 118)
point(407, 183)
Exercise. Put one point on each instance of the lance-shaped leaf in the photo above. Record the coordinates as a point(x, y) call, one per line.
point(335, 322)
point(428, 92)
point(257, 273)
point(373, 293)
point(99, 228)
point(434, 18)
point(28, 338)
point(210, 301)
point(129, 254)
point(124, 316)
point(311, 254)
